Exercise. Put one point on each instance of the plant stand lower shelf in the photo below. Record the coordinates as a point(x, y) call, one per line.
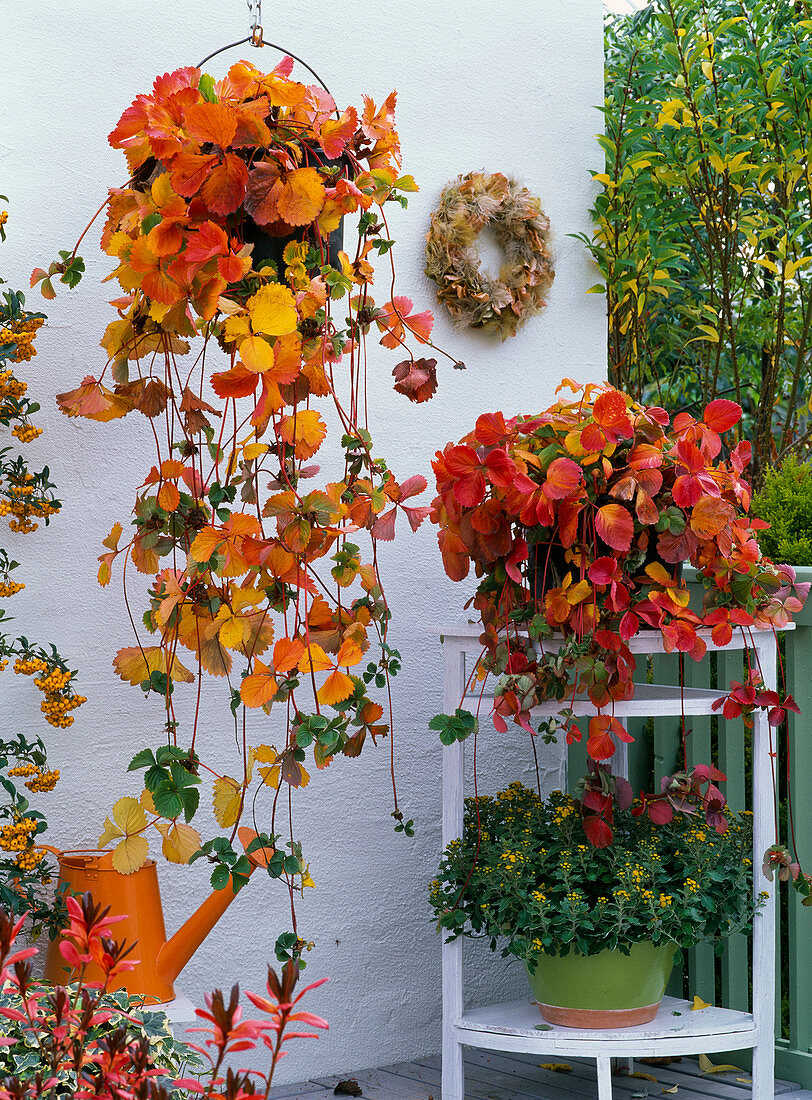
point(677, 1029)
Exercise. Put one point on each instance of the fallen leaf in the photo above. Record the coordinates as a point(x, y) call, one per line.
point(745, 1080)
point(699, 1004)
point(543, 1027)
point(350, 1087)
point(556, 1067)
point(644, 1076)
point(674, 1089)
point(707, 1066)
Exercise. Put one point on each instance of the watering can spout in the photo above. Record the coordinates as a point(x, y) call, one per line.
point(137, 899)
point(177, 951)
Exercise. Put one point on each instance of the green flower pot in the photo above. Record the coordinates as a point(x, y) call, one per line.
point(605, 990)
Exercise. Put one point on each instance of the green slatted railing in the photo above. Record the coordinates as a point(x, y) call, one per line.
point(657, 751)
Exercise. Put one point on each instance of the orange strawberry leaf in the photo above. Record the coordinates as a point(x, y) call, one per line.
point(305, 432)
point(615, 526)
point(301, 197)
point(213, 122)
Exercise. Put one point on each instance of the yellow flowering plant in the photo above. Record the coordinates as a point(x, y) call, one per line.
point(525, 876)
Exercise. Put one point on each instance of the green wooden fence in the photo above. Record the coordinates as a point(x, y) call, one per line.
point(657, 751)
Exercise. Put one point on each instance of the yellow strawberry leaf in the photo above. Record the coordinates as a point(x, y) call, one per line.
point(111, 542)
point(267, 754)
point(227, 801)
point(659, 573)
point(180, 842)
point(273, 310)
point(128, 814)
point(699, 1004)
point(256, 354)
point(130, 854)
point(110, 832)
point(314, 659)
point(135, 664)
point(147, 801)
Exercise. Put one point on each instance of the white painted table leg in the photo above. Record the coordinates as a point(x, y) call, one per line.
point(764, 923)
point(453, 807)
point(604, 1078)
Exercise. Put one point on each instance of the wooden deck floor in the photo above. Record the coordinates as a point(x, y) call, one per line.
point(492, 1076)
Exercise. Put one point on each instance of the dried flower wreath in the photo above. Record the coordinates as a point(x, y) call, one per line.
point(474, 299)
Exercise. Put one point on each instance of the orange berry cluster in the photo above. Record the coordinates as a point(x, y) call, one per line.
point(23, 770)
point(27, 666)
point(10, 588)
point(16, 836)
point(56, 680)
point(56, 707)
point(26, 432)
point(44, 780)
point(21, 333)
point(22, 504)
point(10, 386)
point(59, 699)
point(30, 858)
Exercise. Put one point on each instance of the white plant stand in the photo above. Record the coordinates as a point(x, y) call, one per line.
point(676, 1029)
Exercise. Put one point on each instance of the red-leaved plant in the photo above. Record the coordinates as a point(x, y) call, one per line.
point(577, 522)
point(255, 541)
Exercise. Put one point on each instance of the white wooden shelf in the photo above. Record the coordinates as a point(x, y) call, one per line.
point(676, 1030)
point(646, 696)
point(645, 641)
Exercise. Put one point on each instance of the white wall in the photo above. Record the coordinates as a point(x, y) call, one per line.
point(510, 88)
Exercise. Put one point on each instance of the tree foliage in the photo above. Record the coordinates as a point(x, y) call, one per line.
point(702, 227)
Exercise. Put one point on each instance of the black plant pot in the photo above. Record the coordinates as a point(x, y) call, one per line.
point(547, 566)
point(268, 247)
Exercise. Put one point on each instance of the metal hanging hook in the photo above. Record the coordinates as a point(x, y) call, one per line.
point(255, 12)
point(255, 38)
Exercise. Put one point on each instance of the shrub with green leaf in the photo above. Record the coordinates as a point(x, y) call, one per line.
point(25, 1056)
point(785, 502)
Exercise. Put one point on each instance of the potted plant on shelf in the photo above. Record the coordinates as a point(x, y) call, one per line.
point(258, 568)
point(598, 928)
point(577, 522)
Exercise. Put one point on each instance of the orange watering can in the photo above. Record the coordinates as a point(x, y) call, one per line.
point(138, 898)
